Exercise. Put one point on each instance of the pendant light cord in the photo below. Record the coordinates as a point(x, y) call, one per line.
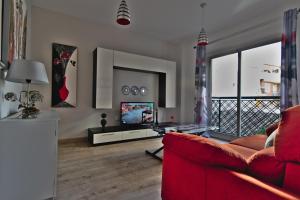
point(203, 5)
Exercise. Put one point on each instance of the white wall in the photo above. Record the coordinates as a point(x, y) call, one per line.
point(132, 78)
point(49, 27)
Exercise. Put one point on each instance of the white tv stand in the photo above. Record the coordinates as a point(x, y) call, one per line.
point(115, 134)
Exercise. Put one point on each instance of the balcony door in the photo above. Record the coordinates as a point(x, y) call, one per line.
point(260, 87)
point(245, 90)
point(224, 93)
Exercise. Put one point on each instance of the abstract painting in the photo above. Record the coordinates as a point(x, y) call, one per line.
point(64, 75)
point(1, 27)
point(17, 30)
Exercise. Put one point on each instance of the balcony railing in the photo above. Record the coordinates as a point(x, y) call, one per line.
point(256, 113)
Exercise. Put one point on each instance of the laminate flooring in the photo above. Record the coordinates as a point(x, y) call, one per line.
point(111, 172)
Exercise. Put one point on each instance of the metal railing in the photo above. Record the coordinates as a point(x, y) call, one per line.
point(256, 113)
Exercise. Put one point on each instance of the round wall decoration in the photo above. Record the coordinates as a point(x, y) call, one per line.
point(125, 90)
point(143, 91)
point(135, 90)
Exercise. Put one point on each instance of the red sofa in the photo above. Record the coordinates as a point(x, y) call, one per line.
point(196, 168)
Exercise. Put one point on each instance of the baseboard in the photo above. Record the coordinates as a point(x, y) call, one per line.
point(73, 140)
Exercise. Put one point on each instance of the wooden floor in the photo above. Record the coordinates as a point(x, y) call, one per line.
point(113, 172)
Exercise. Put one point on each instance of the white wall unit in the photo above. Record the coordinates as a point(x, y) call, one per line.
point(128, 135)
point(104, 62)
point(171, 84)
point(96, 136)
point(28, 154)
point(107, 137)
point(103, 73)
point(152, 133)
point(138, 62)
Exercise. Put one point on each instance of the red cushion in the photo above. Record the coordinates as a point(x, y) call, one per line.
point(292, 177)
point(256, 142)
point(287, 147)
point(204, 151)
point(271, 128)
point(244, 151)
point(264, 166)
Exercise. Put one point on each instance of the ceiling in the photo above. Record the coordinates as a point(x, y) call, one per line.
point(173, 20)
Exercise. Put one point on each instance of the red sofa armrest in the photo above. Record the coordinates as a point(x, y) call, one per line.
point(204, 151)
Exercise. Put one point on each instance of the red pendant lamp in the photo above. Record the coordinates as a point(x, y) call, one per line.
point(202, 38)
point(123, 17)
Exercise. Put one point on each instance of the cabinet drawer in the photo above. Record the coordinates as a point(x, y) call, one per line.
point(151, 133)
point(107, 137)
point(127, 135)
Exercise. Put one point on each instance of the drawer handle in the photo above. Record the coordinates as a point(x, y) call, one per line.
point(134, 132)
point(108, 134)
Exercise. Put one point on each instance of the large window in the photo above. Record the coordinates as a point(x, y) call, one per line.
point(244, 106)
point(224, 76)
point(260, 74)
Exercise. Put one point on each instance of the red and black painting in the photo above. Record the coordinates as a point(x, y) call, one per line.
point(64, 75)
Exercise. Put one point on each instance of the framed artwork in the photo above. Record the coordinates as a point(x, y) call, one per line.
point(14, 14)
point(1, 32)
point(64, 75)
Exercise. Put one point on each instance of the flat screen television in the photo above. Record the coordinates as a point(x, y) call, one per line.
point(134, 113)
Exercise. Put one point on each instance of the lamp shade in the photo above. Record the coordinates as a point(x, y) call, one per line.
point(202, 38)
point(22, 71)
point(123, 17)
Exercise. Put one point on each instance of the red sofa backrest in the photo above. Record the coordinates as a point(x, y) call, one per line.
point(287, 147)
point(292, 177)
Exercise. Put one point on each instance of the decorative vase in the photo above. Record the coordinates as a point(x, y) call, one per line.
point(103, 120)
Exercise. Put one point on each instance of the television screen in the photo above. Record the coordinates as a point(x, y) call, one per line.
point(137, 112)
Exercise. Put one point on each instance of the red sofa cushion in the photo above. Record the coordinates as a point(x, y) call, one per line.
point(256, 142)
point(271, 128)
point(287, 146)
point(244, 151)
point(266, 167)
point(204, 151)
point(292, 177)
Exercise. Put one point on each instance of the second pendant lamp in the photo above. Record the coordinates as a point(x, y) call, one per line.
point(123, 16)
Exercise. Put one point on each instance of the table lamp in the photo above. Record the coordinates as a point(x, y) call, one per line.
point(29, 72)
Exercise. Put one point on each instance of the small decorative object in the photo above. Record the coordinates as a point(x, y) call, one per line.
point(10, 96)
point(156, 117)
point(28, 103)
point(64, 75)
point(103, 120)
point(143, 91)
point(123, 17)
point(30, 72)
point(135, 90)
point(126, 90)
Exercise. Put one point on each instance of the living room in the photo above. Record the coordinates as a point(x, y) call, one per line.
point(106, 81)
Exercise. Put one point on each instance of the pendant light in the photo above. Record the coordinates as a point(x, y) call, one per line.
point(202, 38)
point(123, 17)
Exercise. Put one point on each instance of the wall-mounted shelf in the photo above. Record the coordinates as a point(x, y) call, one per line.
point(105, 60)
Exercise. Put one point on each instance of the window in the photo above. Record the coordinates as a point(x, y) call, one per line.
point(260, 73)
point(224, 76)
point(246, 106)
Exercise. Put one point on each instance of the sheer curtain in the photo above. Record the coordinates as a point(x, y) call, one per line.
point(289, 68)
point(201, 91)
point(298, 55)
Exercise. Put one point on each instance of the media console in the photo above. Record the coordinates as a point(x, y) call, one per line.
point(114, 134)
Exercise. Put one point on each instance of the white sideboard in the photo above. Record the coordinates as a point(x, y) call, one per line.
point(28, 157)
point(98, 136)
point(105, 60)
